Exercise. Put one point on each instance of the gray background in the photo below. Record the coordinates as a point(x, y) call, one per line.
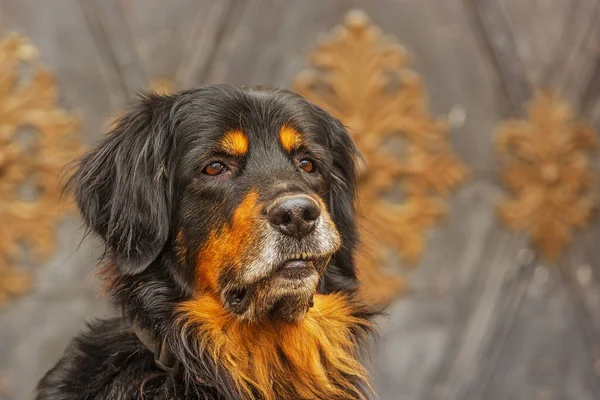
point(484, 319)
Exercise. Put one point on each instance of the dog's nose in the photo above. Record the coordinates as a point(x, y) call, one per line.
point(294, 215)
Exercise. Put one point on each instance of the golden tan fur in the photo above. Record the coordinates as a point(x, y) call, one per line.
point(290, 138)
point(314, 358)
point(230, 242)
point(235, 143)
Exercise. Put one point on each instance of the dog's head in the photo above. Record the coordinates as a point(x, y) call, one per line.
point(249, 190)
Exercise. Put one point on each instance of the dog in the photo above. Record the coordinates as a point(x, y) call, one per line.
point(228, 218)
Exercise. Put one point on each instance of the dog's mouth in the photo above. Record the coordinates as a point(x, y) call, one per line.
point(301, 266)
point(297, 266)
point(296, 269)
point(286, 293)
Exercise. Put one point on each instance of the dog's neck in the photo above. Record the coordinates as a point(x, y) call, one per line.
point(317, 357)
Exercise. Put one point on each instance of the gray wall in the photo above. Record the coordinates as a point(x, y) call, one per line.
point(484, 318)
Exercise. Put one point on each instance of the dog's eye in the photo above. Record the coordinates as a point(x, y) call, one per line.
point(307, 165)
point(214, 168)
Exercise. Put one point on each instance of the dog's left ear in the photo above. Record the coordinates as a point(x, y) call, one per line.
point(341, 273)
point(123, 188)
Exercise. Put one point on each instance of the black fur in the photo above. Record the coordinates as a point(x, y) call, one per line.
point(141, 185)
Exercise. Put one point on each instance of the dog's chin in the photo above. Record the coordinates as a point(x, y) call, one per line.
point(291, 290)
point(285, 296)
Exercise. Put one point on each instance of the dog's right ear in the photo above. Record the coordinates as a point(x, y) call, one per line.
point(123, 186)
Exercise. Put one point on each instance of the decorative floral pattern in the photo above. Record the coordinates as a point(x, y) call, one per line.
point(37, 139)
point(547, 170)
point(362, 78)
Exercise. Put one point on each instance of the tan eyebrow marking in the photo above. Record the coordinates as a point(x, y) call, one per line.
point(235, 143)
point(290, 138)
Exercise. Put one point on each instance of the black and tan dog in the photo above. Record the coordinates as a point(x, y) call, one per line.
point(228, 218)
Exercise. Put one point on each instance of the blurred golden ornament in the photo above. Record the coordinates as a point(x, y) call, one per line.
point(362, 77)
point(37, 139)
point(548, 172)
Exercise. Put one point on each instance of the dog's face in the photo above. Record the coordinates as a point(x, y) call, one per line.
point(249, 190)
point(254, 214)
